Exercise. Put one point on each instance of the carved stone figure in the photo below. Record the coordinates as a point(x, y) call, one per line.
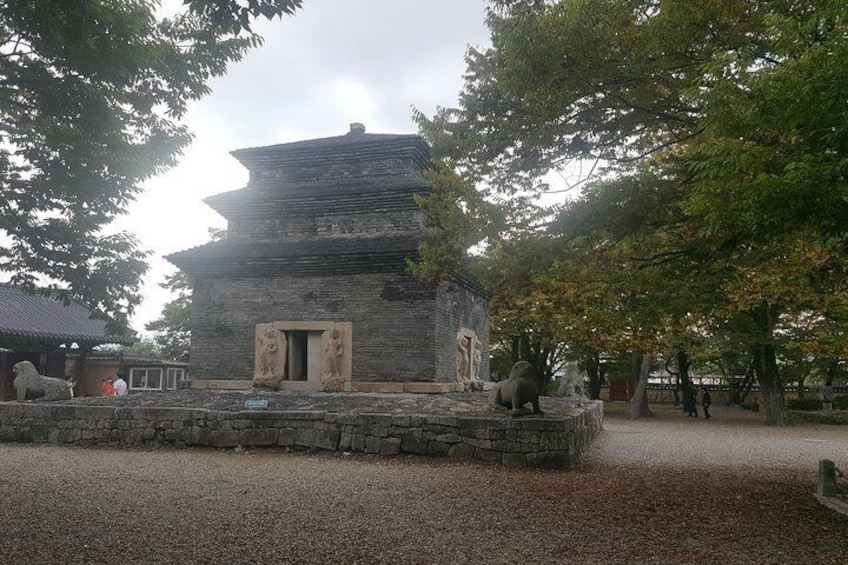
point(270, 357)
point(520, 388)
point(571, 384)
point(29, 384)
point(476, 359)
point(463, 358)
point(332, 378)
point(334, 352)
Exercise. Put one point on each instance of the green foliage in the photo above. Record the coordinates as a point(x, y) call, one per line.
point(806, 403)
point(840, 402)
point(143, 348)
point(715, 219)
point(235, 17)
point(172, 330)
point(91, 94)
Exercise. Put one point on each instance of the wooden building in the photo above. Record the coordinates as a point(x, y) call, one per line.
point(44, 330)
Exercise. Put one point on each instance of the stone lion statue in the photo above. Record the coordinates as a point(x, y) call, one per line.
point(520, 388)
point(29, 384)
point(571, 384)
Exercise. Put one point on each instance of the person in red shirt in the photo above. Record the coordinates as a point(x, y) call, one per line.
point(108, 388)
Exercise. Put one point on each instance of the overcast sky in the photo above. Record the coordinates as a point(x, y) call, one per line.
point(333, 63)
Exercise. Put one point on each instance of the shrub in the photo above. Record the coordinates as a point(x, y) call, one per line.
point(808, 403)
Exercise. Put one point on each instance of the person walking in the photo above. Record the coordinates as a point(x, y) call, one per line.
point(120, 385)
point(706, 402)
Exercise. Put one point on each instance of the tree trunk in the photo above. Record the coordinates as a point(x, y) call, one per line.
point(676, 390)
point(596, 379)
point(639, 403)
point(765, 367)
point(831, 371)
point(683, 364)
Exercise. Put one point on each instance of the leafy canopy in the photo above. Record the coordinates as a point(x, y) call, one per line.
point(91, 96)
point(720, 132)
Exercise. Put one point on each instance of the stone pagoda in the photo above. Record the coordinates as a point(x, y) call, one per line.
point(310, 289)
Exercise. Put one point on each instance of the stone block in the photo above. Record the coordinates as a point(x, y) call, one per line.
point(438, 448)
point(10, 410)
point(542, 424)
point(223, 438)
point(520, 447)
point(486, 455)
point(410, 444)
point(448, 421)
point(428, 388)
point(287, 437)
point(548, 460)
point(8, 434)
point(389, 446)
point(69, 435)
point(40, 434)
point(347, 419)
point(304, 437)
point(528, 436)
point(401, 421)
point(376, 431)
point(344, 441)
point(302, 414)
point(258, 436)
point(42, 412)
point(514, 459)
point(326, 439)
point(417, 420)
point(259, 415)
point(376, 419)
point(555, 441)
point(372, 444)
point(358, 386)
point(448, 438)
point(500, 445)
point(461, 451)
point(357, 442)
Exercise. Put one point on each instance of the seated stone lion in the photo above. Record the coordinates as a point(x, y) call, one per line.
point(29, 384)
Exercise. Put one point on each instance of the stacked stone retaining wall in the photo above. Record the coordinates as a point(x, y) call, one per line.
point(532, 442)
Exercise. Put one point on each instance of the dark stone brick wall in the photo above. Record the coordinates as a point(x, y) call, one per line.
point(456, 307)
point(392, 315)
point(318, 173)
point(325, 224)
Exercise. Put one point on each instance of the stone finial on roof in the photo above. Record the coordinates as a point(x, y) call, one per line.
point(356, 128)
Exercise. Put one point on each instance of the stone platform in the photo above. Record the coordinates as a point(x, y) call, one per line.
point(459, 426)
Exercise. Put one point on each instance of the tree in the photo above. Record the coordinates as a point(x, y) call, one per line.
point(172, 329)
point(736, 108)
point(91, 96)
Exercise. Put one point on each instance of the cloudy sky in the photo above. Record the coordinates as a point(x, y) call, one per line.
point(333, 63)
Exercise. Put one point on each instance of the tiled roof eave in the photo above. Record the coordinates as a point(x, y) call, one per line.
point(66, 338)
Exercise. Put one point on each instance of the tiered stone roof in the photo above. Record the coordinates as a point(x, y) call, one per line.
point(326, 206)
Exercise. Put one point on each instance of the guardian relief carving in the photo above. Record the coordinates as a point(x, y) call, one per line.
point(336, 359)
point(270, 357)
point(469, 359)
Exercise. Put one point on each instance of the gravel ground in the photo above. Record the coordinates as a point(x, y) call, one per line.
point(669, 490)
